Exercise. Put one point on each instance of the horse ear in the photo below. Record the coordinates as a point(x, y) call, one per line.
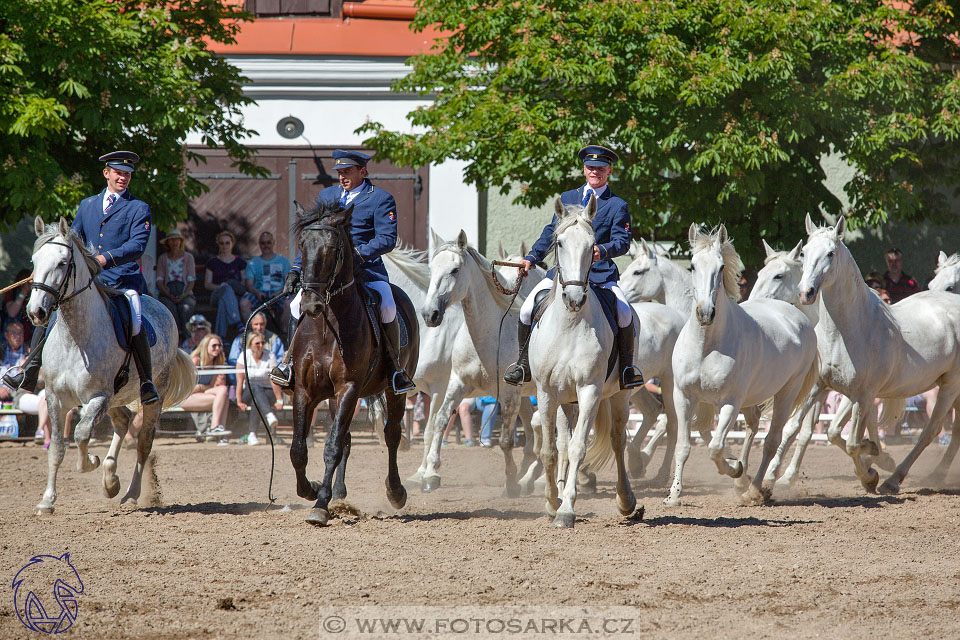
point(941, 259)
point(435, 238)
point(692, 233)
point(646, 249)
point(64, 227)
point(500, 250)
point(559, 209)
point(591, 209)
point(462, 239)
point(298, 208)
point(523, 248)
point(809, 226)
point(38, 226)
point(840, 228)
point(767, 248)
point(795, 254)
point(341, 217)
point(722, 234)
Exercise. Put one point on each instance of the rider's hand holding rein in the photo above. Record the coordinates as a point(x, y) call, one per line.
point(525, 266)
point(596, 253)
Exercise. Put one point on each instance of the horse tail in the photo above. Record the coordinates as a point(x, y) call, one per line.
point(813, 374)
point(600, 452)
point(891, 413)
point(377, 416)
point(183, 379)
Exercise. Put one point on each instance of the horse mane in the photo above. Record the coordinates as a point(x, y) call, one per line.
point(485, 268)
point(52, 231)
point(413, 263)
point(951, 261)
point(569, 220)
point(732, 264)
point(782, 255)
point(317, 213)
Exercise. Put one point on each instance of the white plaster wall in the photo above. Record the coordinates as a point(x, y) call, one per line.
point(454, 205)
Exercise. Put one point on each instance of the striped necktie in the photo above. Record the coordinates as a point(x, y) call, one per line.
point(111, 200)
point(586, 197)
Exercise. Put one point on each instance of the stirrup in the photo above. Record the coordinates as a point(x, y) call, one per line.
point(404, 384)
point(148, 393)
point(510, 377)
point(14, 380)
point(282, 375)
point(630, 377)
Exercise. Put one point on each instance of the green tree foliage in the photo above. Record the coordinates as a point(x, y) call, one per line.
point(721, 110)
point(79, 78)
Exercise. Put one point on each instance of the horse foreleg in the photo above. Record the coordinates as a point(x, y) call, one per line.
point(120, 417)
point(619, 416)
point(333, 451)
point(90, 414)
point(451, 399)
point(303, 408)
point(534, 434)
point(428, 429)
point(151, 414)
point(340, 483)
point(571, 449)
point(666, 424)
point(759, 491)
point(945, 399)
point(636, 453)
point(548, 449)
point(396, 405)
point(940, 472)
point(54, 454)
point(509, 409)
point(728, 416)
point(682, 451)
point(810, 418)
point(791, 429)
point(529, 453)
point(861, 413)
point(751, 416)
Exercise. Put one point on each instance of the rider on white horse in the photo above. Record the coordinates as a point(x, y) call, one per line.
point(611, 227)
point(119, 225)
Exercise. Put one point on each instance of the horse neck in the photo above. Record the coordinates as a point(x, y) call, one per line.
point(676, 286)
point(84, 315)
point(725, 310)
point(477, 298)
point(846, 302)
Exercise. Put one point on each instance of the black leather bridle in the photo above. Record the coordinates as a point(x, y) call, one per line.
point(564, 283)
point(322, 289)
point(60, 293)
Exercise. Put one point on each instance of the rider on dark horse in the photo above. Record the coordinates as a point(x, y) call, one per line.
point(374, 232)
point(118, 226)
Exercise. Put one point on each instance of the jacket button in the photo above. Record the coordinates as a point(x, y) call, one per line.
point(99, 246)
point(101, 235)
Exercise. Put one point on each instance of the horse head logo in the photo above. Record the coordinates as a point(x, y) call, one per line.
point(45, 594)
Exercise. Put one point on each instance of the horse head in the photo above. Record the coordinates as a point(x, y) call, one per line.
point(820, 258)
point(53, 265)
point(947, 276)
point(448, 278)
point(326, 248)
point(642, 280)
point(714, 267)
point(573, 240)
point(780, 276)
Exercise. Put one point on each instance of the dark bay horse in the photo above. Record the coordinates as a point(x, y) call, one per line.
point(337, 355)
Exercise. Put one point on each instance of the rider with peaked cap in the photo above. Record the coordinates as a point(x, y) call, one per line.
point(373, 228)
point(117, 225)
point(611, 226)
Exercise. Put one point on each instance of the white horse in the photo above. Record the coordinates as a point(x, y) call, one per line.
point(653, 276)
point(458, 273)
point(733, 355)
point(569, 349)
point(947, 275)
point(869, 349)
point(779, 280)
point(81, 357)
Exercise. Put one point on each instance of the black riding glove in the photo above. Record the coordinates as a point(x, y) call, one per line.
point(290, 283)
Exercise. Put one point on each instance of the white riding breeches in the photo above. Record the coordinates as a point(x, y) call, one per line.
point(388, 307)
point(624, 311)
point(135, 313)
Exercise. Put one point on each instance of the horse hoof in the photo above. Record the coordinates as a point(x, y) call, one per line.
point(430, 484)
point(317, 517)
point(784, 482)
point(564, 521)
point(111, 487)
point(871, 482)
point(314, 492)
point(626, 505)
point(397, 498)
point(550, 509)
point(44, 510)
point(511, 490)
point(890, 487)
point(671, 502)
point(128, 501)
point(737, 470)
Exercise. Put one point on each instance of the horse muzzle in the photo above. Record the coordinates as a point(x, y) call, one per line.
point(808, 295)
point(433, 317)
point(575, 301)
point(705, 316)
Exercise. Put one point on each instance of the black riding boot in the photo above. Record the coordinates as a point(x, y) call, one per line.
point(400, 381)
point(29, 373)
point(282, 374)
point(630, 375)
point(519, 372)
point(141, 357)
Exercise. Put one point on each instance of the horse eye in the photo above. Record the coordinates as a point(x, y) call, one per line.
point(830, 255)
point(559, 244)
point(636, 272)
point(779, 276)
point(455, 271)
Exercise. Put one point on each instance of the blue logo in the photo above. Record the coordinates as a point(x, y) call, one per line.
point(45, 594)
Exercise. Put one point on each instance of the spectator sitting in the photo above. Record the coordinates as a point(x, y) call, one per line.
point(224, 278)
point(257, 324)
point(15, 303)
point(198, 327)
point(897, 283)
point(14, 352)
point(264, 277)
point(259, 363)
point(176, 274)
point(874, 280)
point(211, 392)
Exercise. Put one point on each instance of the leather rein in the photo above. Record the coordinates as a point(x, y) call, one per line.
point(322, 289)
point(60, 293)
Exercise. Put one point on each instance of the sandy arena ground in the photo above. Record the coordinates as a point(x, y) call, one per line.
point(826, 561)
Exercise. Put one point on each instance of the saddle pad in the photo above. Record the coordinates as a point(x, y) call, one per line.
point(120, 315)
point(372, 300)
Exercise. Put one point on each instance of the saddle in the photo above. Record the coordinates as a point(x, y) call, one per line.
point(121, 316)
point(608, 302)
point(371, 302)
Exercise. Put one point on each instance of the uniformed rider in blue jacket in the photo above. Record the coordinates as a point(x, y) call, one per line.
point(611, 227)
point(117, 226)
point(373, 228)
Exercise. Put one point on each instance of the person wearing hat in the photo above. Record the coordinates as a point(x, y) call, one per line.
point(197, 327)
point(176, 275)
point(374, 231)
point(611, 226)
point(117, 225)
